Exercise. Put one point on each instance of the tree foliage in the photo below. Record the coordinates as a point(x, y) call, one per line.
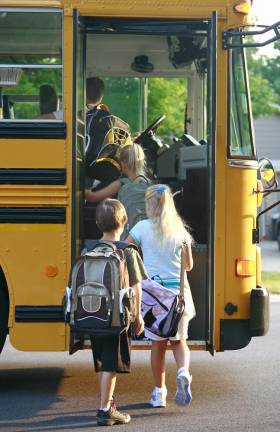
point(264, 82)
point(168, 96)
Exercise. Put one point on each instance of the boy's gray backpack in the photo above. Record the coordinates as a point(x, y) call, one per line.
point(101, 301)
point(132, 196)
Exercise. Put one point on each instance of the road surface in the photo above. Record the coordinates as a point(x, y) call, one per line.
point(232, 392)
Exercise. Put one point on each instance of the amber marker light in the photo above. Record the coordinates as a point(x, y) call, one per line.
point(242, 8)
point(51, 271)
point(245, 267)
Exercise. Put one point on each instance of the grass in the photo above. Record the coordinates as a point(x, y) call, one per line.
point(271, 281)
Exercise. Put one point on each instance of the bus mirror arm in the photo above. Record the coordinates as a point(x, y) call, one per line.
point(256, 231)
point(228, 35)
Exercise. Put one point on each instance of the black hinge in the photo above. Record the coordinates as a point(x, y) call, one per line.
point(256, 235)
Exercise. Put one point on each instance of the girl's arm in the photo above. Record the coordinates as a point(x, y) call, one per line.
point(187, 256)
point(107, 192)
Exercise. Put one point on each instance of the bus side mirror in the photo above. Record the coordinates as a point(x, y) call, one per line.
point(267, 174)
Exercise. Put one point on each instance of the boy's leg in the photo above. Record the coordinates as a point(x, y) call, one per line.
point(107, 386)
point(108, 361)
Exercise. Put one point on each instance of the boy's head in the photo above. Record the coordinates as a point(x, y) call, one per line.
point(94, 90)
point(110, 215)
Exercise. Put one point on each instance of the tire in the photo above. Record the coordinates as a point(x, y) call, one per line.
point(4, 313)
point(278, 238)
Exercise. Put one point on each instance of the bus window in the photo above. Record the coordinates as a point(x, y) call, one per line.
point(124, 97)
point(241, 143)
point(172, 101)
point(30, 57)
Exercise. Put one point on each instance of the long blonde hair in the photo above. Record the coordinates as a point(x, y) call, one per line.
point(133, 157)
point(160, 208)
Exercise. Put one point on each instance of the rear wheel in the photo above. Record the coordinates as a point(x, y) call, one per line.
point(4, 311)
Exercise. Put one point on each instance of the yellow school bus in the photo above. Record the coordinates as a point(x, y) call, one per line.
point(207, 153)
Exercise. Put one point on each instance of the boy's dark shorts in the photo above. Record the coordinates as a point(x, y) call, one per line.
point(111, 353)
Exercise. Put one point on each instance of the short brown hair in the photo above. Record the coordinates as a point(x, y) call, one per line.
point(110, 215)
point(94, 89)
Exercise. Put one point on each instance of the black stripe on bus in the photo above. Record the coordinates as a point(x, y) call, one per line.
point(32, 130)
point(39, 314)
point(26, 176)
point(54, 215)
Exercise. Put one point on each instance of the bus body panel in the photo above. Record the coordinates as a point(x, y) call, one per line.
point(53, 246)
point(38, 336)
point(147, 9)
point(241, 208)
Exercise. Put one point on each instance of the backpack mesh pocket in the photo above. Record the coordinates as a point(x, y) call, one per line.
point(94, 306)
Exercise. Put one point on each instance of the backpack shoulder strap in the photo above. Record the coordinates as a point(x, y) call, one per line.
point(93, 244)
point(123, 245)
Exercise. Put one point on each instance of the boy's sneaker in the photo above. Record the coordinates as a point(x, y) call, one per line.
point(183, 395)
point(112, 417)
point(158, 398)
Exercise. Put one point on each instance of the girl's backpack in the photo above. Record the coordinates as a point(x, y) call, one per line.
point(161, 308)
point(100, 301)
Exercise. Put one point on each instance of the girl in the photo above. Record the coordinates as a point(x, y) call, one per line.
point(131, 188)
point(164, 238)
point(133, 166)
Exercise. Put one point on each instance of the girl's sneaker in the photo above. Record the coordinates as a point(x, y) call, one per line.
point(183, 395)
point(158, 398)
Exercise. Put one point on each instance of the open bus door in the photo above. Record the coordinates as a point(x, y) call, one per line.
point(78, 134)
point(212, 37)
point(109, 48)
point(202, 278)
point(78, 148)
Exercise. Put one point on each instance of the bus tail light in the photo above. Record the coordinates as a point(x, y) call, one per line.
point(243, 7)
point(245, 267)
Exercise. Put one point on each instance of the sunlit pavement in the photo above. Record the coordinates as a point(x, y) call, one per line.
point(233, 392)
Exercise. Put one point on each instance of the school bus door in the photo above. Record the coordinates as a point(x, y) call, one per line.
point(210, 312)
point(78, 135)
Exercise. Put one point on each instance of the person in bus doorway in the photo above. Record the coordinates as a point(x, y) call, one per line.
point(111, 354)
point(164, 239)
point(130, 188)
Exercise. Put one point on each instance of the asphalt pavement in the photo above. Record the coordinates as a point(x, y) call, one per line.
point(235, 391)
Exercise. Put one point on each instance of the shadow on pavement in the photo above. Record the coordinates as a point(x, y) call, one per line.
point(25, 388)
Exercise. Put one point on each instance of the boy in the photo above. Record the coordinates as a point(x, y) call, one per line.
point(111, 353)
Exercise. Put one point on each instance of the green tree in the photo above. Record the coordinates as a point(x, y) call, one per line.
point(270, 70)
point(168, 96)
point(263, 95)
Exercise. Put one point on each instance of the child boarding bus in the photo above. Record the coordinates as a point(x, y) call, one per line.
point(144, 52)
